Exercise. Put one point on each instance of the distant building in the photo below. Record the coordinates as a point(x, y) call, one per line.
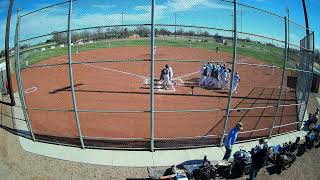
point(134, 36)
point(80, 41)
point(220, 40)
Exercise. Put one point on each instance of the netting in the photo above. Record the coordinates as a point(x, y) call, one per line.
point(110, 67)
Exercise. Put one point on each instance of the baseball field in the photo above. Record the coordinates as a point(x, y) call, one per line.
point(112, 89)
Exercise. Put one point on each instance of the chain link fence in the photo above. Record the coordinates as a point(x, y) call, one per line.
point(89, 74)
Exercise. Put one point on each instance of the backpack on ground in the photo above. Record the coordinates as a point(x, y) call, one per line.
point(206, 172)
point(242, 162)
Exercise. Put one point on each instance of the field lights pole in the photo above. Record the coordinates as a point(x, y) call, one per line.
point(175, 25)
point(71, 76)
point(283, 74)
point(152, 80)
point(18, 75)
point(234, 59)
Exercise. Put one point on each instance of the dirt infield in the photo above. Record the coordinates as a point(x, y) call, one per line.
point(124, 85)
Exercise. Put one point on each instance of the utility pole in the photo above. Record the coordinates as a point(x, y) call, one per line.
point(122, 28)
point(288, 12)
point(175, 25)
point(122, 18)
point(241, 22)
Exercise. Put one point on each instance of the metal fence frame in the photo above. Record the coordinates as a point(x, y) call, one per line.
point(152, 110)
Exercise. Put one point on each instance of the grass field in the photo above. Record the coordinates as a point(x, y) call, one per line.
point(267, 54)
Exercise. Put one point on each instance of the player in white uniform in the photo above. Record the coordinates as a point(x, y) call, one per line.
point(208, 82)
point(166, 79)
point(170, 71)
point(209, 69)
point(236, 81)
point(203, 75)
point(224, 79)
point(211, 82)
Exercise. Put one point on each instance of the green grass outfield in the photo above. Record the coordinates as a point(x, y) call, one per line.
point(267, 54)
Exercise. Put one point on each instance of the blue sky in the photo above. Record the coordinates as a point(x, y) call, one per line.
point(211, 13)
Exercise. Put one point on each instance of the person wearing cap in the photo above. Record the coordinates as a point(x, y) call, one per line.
point(231, 139)
point(203, 75)
point(210, 67)
point(224, 79)
point(170, 72)
point(259, 158)
point(236, 81)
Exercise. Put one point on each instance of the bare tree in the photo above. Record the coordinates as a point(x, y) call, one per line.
point(59, 37)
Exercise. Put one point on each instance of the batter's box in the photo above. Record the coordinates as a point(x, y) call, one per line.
point(158, 86)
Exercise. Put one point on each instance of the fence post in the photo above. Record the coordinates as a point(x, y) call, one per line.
point(234, 59)
point(283, 74)
point(152, 79)
point(18, 75)
point(7, 53)
point(71, 76)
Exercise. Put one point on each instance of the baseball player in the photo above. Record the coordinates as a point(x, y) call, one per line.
point(170, 71)
point(211, 82)
point(203, 73)
point(224, 78)
point(161, 75)
point(209, 69)
point(208, 81)
point(166, 79)
point(236, 81)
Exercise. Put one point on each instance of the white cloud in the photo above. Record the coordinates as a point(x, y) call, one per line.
point(293, 37)
point(56, 19)
point(160, 11)
point(44, 24)
point(48, 23)
point(103, 6)
point(182, 5)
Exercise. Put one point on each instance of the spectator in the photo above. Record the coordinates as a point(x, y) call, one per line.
point(311, 137)
point(259, 157)
point(206, 162)
point(231, 139)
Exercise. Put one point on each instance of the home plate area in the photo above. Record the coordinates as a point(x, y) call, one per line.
point(159, 86)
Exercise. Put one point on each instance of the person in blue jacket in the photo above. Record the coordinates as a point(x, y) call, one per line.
point(231, 139)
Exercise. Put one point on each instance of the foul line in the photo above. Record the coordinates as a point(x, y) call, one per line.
point(114, 70)
point(123, 72)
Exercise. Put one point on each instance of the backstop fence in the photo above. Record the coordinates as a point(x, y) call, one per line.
point(87, 74)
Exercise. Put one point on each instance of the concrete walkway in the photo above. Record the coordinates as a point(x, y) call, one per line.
point(139, 158)
point(133, 158)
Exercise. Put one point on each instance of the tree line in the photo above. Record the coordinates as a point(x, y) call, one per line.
point(118, 32)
